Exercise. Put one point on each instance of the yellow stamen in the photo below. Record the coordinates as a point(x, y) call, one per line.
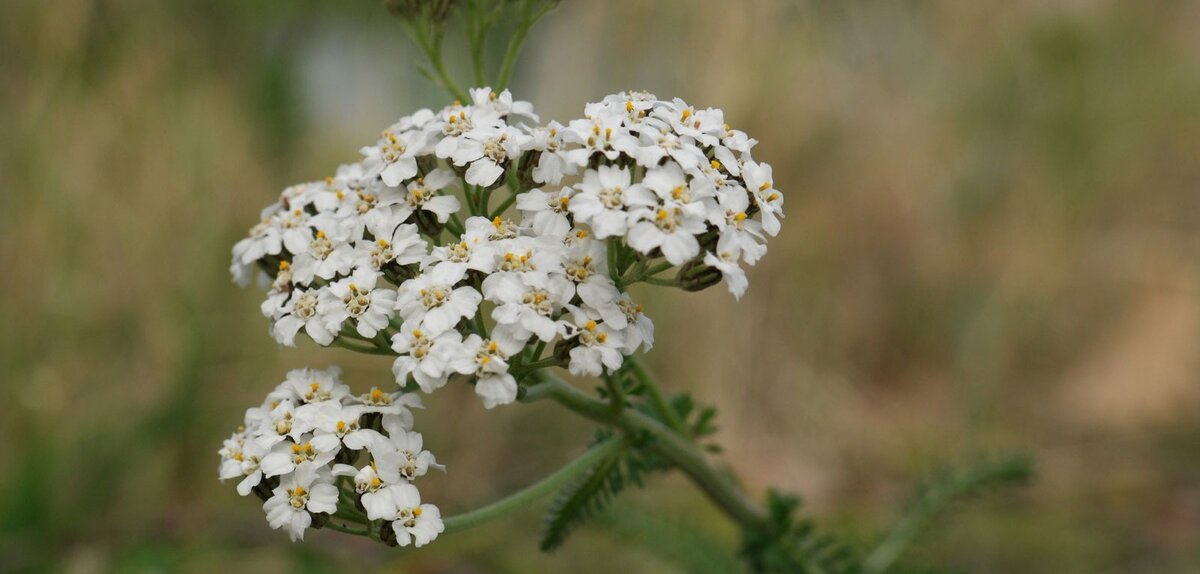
point(740, 216)
point(590, 325)
point(629, 105)
point(284, 265)
point(715, 164)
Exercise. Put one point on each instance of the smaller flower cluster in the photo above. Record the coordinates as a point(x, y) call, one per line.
point(313, 450)
point(670, 179)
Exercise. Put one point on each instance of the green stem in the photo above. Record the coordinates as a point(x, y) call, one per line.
point(660, 281)
point(505, 205)
point(432, 47)
point(358, 348)
point(531, 11)
point(611, 253)
point(455, 225)
point(657, 399)
point(535, 491)
point(715, 484)
point(346, 529)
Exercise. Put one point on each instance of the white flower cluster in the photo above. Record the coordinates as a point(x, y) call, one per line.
point(310, 431)
point(359, 256)
point(636, 187)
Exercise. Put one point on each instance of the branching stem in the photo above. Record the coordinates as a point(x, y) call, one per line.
point(716, 484)
point(537, 490)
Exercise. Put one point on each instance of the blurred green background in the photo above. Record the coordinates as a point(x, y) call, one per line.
point(992, 244)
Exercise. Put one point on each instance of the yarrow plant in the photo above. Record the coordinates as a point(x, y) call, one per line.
point(476, 245)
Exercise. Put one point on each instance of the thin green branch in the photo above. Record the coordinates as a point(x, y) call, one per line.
point(537, 490)
point(432, 48)
point(360, 348)
point(346, 529)
point(531, 11)
point(935, 497)
point(655, 394)
point(666, 442)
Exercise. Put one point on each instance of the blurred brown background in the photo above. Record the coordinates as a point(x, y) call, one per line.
point(992, 244)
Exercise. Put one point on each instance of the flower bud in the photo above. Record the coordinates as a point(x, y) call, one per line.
point(696, 276)
point(428, 223)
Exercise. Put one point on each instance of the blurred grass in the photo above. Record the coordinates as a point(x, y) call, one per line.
point(992, 235)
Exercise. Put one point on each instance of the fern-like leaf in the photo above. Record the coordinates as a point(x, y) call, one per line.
point(582, 499)
point(940, 492)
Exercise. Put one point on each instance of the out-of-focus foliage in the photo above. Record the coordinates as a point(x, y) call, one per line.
point(992, 243)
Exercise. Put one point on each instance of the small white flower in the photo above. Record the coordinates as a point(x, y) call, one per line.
point(422, 194)
point(488, 360)
point(415, 523)
point(432, 300)
point(425, 355)
point(762, 188)
point(488, 149)
point(603, 135)
point(275, 424)
point(310, 385)
point(328, 254)
point(242, 457)
point(599, 347)
point(528, 301)
point(669, 229)
point(392, 243)
point(473, 250)
point(309, 489)
point(655, 144)
point(552, 164)
point(356, 298)
point(502, 103)
point(397, 404)
point(731, 272)
point(603, 199)
point(394, 157)
point(336, 423)
point(546, 213)
point(301, 311)
point(278, 229)
point(639, 331)
point(286, 456)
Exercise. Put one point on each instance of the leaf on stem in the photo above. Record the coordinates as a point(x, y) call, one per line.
point(584, 498)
